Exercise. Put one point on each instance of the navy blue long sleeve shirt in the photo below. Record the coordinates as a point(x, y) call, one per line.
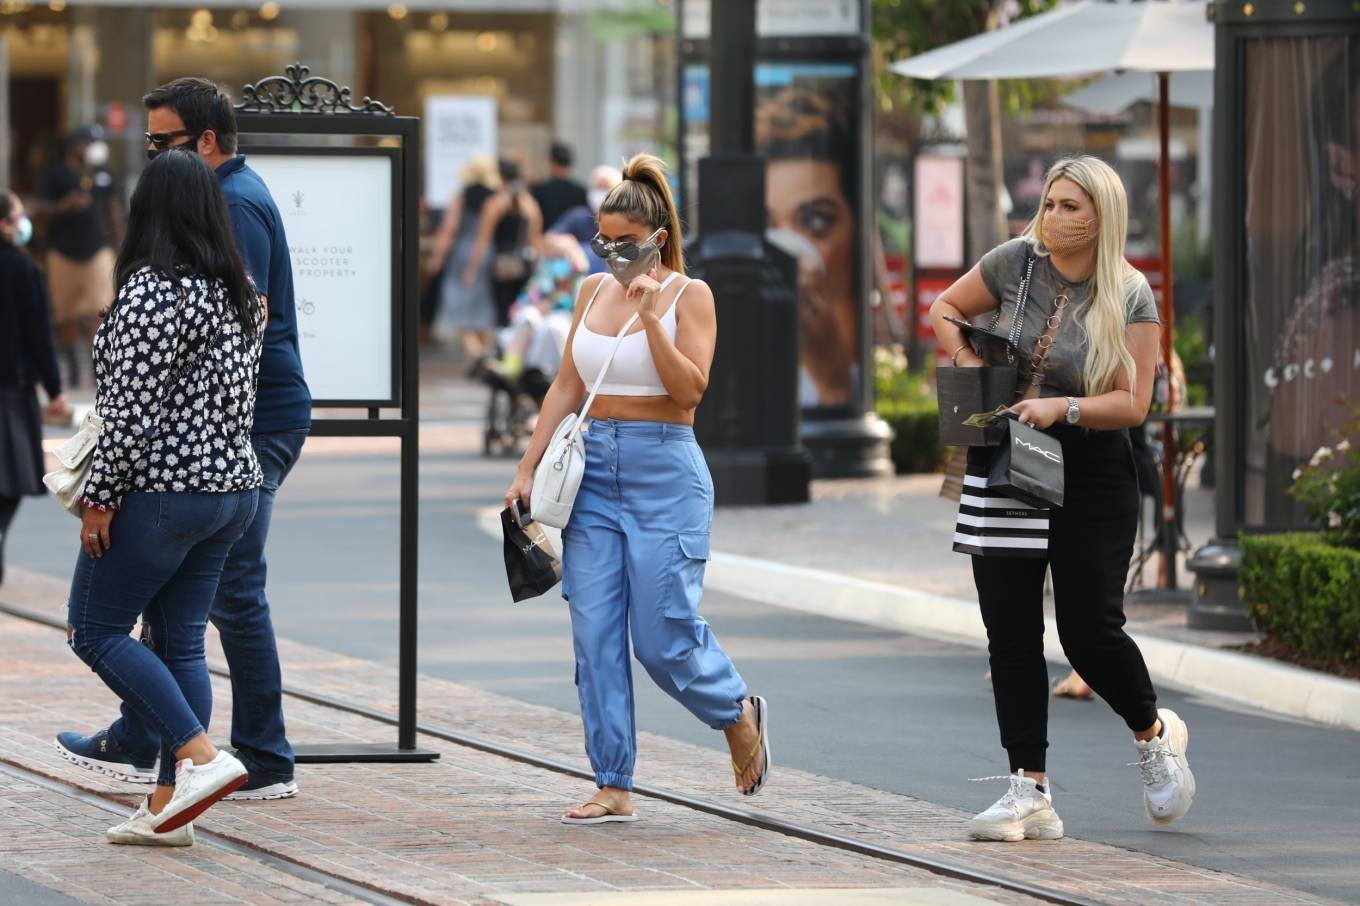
point(283, 402)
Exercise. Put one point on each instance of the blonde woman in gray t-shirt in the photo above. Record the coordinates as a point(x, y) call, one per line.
point(1096, 317)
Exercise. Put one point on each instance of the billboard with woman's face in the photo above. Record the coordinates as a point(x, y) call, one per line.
point(805, 127)
point(1303, 259)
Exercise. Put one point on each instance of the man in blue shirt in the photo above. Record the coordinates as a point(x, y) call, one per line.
point(195, 115)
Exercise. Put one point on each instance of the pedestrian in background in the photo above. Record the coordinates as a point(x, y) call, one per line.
point(580, 221)
point(195, 116)
point(27, 358)
point(559, 193)
point(469, 307)
point(79, 201)
point(173, 482)
point(636, 545)
point(510, 234)
point(1095, 316)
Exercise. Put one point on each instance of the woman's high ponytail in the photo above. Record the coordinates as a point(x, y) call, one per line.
point(644, 196)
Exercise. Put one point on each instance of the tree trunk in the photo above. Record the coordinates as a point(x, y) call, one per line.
point(986, 219)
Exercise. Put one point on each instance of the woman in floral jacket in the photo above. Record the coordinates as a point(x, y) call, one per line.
point(174, 479)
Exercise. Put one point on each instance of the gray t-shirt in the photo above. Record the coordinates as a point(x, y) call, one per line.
point(1002, 270)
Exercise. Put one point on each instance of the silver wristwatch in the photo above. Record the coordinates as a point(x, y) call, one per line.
point(1073, 411)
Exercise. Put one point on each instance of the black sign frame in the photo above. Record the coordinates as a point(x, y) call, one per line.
point(298, 104)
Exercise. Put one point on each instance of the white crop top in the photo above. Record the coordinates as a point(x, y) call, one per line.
point(633, 372)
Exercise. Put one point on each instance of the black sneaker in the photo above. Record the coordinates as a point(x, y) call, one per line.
point(258, 788)
point(101, 753)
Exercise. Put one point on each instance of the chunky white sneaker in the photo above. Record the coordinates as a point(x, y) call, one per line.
point(139, 831)
point(197, 787)
point(1024, 813)
point(1168, 785)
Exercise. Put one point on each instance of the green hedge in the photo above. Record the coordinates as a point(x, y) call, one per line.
point(1304, 591)
point(916, 434)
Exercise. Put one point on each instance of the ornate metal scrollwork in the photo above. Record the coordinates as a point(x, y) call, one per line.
point(297, 92)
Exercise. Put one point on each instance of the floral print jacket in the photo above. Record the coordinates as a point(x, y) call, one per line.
point(175, 379)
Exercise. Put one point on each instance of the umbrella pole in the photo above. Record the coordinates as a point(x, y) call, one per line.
point(1170, 529)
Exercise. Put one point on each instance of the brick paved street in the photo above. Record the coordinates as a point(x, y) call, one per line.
point(474, 826)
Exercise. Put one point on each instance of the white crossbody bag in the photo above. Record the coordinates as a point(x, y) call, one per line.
point(557, 477)
point(75, 458)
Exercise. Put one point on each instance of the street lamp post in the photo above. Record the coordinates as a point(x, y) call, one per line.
point(748, 423)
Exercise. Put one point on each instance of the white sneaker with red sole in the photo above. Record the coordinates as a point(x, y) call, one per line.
point(198, 786)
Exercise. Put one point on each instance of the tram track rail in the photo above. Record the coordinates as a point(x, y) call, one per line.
point(109, 803)
point(812, 834)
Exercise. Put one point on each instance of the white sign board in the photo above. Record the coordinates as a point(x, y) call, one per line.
point(782, 18)
point(337, 213)
point(457, 127)
point(938, 225)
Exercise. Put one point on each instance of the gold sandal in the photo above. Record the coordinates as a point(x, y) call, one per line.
point(609, 816)
point(762, 745)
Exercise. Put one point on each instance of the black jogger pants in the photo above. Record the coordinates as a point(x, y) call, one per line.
point(1090, 547)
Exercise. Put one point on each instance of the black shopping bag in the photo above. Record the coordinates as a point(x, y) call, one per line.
point(531, 565)
point(967, 391)
point(1028, 466)
point(964, 392)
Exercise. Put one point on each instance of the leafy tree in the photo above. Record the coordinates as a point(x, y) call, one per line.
point(905, 28)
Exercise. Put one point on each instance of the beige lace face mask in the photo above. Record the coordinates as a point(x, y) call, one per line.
point(1064, 233)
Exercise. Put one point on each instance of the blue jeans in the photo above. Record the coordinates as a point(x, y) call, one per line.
point(240, 611)
point(164, 564)
point(633, 558)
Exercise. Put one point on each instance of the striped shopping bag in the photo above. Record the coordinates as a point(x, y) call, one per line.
point(990, 524)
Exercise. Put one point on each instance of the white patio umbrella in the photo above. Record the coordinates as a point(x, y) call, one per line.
point(1119, 91)
point(1161, 36)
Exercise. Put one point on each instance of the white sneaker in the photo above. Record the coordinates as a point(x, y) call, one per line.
point(1024, 813)
point(1168, 785)
point(139, 831)
point(197, 787)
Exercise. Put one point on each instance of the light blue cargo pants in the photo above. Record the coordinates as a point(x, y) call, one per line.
point(633, 555)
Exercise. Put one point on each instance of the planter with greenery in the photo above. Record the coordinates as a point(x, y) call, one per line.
point(1303, 589)
point(906, 402)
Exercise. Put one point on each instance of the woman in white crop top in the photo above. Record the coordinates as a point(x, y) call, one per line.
point(634, 550)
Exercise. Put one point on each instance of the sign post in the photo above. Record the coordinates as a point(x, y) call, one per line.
point(351, 215)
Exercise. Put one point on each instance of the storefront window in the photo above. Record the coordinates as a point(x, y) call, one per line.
point(1303, 259)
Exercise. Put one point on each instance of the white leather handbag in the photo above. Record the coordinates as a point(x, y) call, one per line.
point(76, 456)
point(557, 477)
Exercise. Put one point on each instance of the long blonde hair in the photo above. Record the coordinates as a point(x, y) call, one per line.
point(1105, 316)
point(644, 196)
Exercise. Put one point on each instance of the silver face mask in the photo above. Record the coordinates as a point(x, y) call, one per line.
point(626, 260)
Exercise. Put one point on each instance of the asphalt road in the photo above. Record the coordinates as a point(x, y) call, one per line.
point(1278, 799)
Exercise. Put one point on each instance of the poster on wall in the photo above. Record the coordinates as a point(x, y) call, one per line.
point(337, 213)
point(1302, 164)
point(806, 128)
point(938, 220)
point(457, 128)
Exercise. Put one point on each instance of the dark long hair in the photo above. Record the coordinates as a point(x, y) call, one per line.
point(179, 226)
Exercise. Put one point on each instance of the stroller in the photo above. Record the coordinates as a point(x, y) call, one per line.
point(512, 409)
point(529, 353)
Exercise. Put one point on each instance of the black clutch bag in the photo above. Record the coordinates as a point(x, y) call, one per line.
point(967, 391)
point(964, 392)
